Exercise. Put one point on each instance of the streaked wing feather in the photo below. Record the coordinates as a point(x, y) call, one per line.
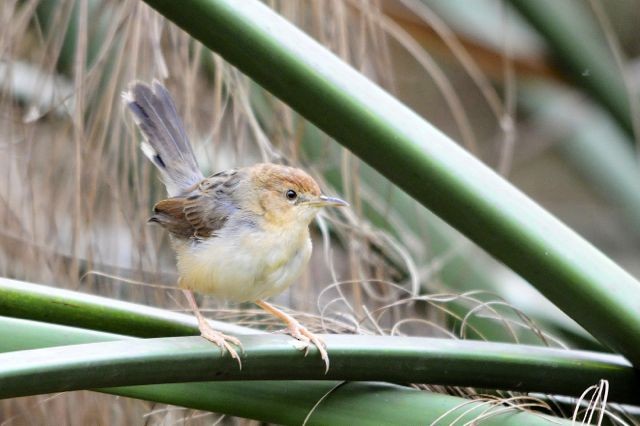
point(203, 212)
point(169, 214)
point(205, 215)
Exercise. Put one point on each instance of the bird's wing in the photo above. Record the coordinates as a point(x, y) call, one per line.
point(204, 211)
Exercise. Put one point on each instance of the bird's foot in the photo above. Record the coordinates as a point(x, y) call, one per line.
point(298, 331)
point(222, 340)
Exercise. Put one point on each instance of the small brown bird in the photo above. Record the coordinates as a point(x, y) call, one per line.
point(241, 234)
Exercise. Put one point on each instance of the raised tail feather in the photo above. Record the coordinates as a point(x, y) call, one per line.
point(166, 143)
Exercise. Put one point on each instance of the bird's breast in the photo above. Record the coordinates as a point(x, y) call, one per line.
point(245, 265)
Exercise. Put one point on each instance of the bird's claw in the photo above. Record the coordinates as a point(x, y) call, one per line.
point(222, 340)
point(299, 332)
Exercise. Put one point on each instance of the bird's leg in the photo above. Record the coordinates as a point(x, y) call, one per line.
point(220, 339)
point(298, 331)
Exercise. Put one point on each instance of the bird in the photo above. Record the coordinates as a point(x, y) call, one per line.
point(240, 235)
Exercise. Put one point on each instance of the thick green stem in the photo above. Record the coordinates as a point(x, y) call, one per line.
point(582, 50)
point(457, 359)
point(283, 402)
point(275, 357)
point(20, 299)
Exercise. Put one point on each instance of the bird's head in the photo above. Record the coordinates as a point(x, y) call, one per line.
point(288, 196)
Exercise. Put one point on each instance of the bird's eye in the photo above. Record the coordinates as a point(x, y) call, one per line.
point(291, 195)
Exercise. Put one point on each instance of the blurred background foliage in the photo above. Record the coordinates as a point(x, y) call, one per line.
point(545, 92)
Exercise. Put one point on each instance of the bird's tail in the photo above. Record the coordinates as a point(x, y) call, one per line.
point(166, 143)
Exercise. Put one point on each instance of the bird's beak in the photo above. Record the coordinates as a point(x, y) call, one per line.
point(324, 201)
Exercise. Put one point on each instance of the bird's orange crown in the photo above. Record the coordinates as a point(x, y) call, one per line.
point(280, 178)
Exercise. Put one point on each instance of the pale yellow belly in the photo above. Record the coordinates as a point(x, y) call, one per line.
point(243, 269)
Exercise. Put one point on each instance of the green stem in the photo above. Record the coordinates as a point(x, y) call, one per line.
point(283, 402)
point(576, 42)
point(275, 357)
point(610, 167)
point(455, 361)
point(20, 299)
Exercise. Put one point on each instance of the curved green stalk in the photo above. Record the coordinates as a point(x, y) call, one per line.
point(20, 299)
point(579, 46)
point(592, 143)
point(353, 358)
point(30, 301)
point(352, 403)
point(282, 402)
point(574, 275)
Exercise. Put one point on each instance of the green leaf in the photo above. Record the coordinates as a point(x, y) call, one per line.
point(20, 299)
point(284, 402)
point(578, 45)
point(275, 357)
point(592, 142)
